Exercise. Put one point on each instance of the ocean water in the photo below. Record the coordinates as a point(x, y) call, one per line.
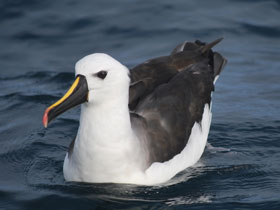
point(40, 43)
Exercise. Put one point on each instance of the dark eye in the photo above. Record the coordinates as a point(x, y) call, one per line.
point(101, 74)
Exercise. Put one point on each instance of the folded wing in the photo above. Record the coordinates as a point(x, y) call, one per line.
point(168, 95)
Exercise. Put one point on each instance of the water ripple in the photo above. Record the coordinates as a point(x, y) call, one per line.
point(267, 31)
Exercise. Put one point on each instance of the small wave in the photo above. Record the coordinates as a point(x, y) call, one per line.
point(17, 99)
point(57, 76)
point(186, 200)
point(63, 77)
point(81, 23)
point(29, 75)
point(266, 31)
point(216, 149)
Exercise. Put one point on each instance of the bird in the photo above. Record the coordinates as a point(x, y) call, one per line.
point(141, 125)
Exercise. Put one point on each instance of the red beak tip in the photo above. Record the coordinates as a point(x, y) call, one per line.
point(45, 124)
point(45, 119)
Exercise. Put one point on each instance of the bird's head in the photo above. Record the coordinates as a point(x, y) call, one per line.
point(99, 77)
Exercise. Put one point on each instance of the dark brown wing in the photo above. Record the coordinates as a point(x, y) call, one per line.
point(168, 114)
point(149, 75)
point(166, 108)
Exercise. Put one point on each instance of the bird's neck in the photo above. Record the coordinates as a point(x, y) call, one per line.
point(105, 147)
point(106, 123)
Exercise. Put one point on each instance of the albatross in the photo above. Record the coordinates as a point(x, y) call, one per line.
point(143, 125)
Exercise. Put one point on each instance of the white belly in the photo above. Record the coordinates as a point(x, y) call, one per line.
point(126, 167)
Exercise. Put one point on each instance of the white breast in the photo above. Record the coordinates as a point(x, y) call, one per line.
point(125, 164)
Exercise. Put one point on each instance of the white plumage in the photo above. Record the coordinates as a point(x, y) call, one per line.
point(106, 149)
point(144, 125)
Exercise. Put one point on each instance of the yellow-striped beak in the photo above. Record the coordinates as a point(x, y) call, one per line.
point(77, 94)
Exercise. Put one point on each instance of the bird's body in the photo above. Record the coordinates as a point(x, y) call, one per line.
point(145, 125)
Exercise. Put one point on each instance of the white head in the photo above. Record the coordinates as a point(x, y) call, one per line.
point(100, 79)
point(105, 76)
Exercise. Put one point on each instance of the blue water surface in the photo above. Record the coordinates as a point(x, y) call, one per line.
point(40, 43)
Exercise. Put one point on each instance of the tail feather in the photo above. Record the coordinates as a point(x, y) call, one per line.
point(209, 46)
point(201, 51)
point(195, 46)
point(219, 63)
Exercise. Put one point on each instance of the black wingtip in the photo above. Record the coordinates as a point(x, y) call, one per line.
point(208, 46)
